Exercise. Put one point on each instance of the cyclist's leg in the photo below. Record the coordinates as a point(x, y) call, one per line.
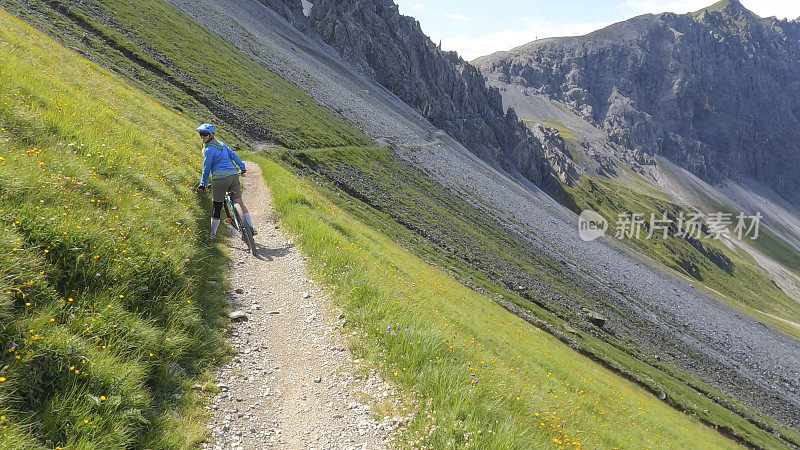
point(215, 216)
point(239, 202)
point(236, 187)
point(247, 217)
point(218, 196)
point(246, 214)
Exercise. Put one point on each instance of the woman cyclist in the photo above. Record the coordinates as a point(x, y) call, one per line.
point(218, 161)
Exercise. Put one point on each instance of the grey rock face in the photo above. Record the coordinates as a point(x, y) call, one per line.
point(392, 49)
point(717, 91)
point(291, 10)
point(556, 153)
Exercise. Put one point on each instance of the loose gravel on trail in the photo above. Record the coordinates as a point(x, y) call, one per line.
point(293, 382)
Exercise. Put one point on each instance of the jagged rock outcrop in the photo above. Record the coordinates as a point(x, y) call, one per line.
point(556, 153)
point(292, 11)
point(717, 91)
point(392, 49)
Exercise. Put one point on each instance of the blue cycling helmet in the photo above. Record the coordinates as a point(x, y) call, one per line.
point(206, 127)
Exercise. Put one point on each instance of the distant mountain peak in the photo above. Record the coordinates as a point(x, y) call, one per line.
point(717, 95)
point(725, 5)
point(728, 7)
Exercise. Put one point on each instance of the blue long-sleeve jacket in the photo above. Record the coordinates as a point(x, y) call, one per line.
point(218, 160)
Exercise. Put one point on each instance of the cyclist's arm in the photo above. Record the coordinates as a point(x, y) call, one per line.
point(232, 155)
point(207, 160)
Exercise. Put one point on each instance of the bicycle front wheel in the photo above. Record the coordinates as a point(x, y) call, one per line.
point(247, 232)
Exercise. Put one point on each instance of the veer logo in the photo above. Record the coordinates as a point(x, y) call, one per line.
point(591, 225)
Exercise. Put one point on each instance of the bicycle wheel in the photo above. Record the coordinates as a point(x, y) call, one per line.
point(247, 232)
point(251, 241)
point(238, 219)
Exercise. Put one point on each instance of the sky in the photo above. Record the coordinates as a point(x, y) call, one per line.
point(478, 27)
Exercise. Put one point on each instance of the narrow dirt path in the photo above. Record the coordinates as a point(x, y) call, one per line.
point(291, 385)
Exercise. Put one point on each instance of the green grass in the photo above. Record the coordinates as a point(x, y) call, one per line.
point(708, 261)
point(150, 42)
point(106, 303)
point(567, 134)
point(767, 243)
point(776, 248)
point(484, 378)
point(391, 197)
point(460, 408)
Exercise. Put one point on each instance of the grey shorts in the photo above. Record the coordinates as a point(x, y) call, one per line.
point(219, 186)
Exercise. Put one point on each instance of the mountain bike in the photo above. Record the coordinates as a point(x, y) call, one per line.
point(235, 216)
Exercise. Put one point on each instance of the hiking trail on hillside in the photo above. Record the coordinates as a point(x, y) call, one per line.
point(292, 383)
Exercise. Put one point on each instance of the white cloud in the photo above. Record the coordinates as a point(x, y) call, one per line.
point(782, 9)
point(411, 6)
point(471, 47)
point(458, 17)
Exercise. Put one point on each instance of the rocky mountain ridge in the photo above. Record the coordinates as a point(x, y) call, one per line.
point(716, 91)
point(452, 94)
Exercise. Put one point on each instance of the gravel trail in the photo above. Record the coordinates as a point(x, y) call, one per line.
point(292, 383)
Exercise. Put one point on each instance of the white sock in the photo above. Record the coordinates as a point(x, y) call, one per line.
point(214, 225)
point(248, 219)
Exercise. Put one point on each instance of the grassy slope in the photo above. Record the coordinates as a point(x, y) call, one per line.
point(208, 74)
point(742, 283)
point(776, 248)
point(102, 308)
point(484, 377)
point(141, 40)
point(767, 243)
point(410, 209)
point(736, 279)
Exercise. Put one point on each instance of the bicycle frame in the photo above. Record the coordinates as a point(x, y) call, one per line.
point(229, 207)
